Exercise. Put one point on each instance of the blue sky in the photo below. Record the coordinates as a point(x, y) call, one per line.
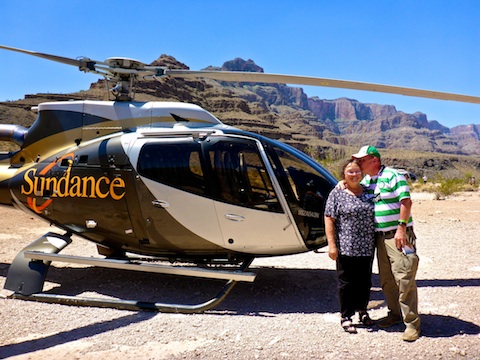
point(427, 44)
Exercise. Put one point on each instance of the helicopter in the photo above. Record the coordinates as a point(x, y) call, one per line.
point(162, 180)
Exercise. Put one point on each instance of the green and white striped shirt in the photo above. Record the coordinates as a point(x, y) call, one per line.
point(387, 189)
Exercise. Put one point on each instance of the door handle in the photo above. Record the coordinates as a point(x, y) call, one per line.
point(234, 217)
point(161, 204)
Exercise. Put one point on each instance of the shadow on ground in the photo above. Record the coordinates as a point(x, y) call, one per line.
point(274, 291)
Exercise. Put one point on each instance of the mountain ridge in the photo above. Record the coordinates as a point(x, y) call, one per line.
point(346, 118)
point(287, 113)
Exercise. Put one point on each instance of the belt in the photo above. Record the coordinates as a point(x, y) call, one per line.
point(387, 234)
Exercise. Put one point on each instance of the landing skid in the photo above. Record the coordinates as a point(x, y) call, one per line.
point(27, 274)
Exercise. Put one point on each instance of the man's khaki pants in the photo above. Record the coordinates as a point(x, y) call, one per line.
point(397, 277)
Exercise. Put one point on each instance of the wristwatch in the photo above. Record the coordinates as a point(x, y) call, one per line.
point(402, 222)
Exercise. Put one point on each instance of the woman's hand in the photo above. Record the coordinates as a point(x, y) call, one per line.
point(333, 252)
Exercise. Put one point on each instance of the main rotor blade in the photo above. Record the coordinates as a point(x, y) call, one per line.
point(83, 64)
point(60, 59)
point(113, 72)
point(240, 76)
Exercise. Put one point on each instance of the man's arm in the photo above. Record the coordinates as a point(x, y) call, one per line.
point(401, 233)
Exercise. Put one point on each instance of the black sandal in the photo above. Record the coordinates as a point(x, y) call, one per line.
point(348, 326)
point(365, 319)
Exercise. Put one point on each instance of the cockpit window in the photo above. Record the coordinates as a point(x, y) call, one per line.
point(174, 164)
point(229, 170)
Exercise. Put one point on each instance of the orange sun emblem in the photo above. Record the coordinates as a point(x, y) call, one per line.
point(32, 202)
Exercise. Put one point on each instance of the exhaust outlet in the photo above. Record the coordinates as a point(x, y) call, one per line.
point(13, 133)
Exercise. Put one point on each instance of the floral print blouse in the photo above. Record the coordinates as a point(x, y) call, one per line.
point(354, 222)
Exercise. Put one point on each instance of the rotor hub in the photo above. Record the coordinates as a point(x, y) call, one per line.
point(124, 63)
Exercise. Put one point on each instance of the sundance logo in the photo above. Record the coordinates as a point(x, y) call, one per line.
point(38, 185)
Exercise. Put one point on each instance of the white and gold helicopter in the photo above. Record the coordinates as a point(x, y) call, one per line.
point(162, 179)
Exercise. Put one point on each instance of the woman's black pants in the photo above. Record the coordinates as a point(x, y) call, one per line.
point(354, 283)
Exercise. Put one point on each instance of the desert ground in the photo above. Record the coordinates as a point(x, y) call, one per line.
point(289, 312)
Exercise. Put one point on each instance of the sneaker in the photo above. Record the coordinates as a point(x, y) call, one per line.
point(389, 320)
point(411, 334)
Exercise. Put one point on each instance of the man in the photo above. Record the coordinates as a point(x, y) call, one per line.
point(397, 258)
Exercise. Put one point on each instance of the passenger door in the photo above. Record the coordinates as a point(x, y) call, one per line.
point(249, 208)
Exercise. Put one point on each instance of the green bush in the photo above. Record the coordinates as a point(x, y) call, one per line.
point(450, 186)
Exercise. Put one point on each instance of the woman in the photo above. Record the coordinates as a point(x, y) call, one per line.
point(350, 230)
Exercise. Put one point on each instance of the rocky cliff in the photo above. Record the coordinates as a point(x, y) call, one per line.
point(349, 122)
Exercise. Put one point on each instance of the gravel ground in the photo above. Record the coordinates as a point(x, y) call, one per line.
point(289, 312)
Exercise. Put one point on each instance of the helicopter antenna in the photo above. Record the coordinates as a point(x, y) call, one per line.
point(179, 118)
point(125, 72)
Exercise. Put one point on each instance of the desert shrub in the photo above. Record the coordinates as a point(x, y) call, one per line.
point(450, 186)
point(419, 186)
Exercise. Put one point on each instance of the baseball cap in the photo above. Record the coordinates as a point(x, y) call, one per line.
point(365, 151)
